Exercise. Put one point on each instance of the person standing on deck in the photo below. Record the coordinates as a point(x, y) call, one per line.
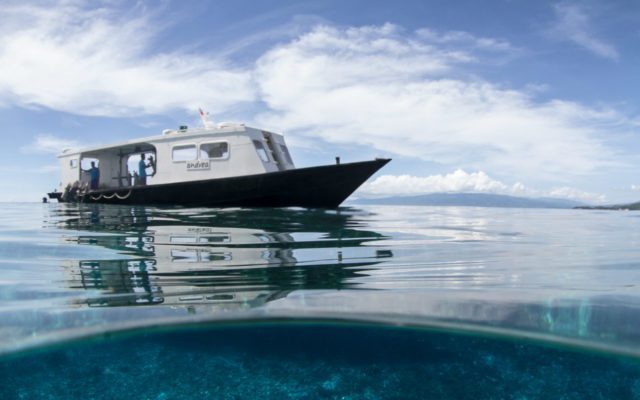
point(94, 175)
point(152, 164)
point(142, 171)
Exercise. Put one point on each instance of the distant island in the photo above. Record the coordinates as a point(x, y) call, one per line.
point(473, 200)
point(631, 206)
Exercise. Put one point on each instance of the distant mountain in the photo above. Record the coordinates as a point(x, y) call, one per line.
point(472, 200)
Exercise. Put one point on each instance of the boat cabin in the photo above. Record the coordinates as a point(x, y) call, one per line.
point(181, 155)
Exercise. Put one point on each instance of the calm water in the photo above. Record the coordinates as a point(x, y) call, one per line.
point(362, 302)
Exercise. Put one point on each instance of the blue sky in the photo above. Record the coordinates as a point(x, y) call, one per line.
point(516, 97)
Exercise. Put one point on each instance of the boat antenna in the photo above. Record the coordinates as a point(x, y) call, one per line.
point(205, 119)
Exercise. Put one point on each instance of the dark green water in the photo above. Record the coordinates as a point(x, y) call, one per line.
point(502, 303)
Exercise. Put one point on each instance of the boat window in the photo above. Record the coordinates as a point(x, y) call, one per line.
point(285, 151)
point(184, 153)
point(183, 239)
point(189, 239)
point(73, 163)
point(222, 238)
point(178, 255)
point(198, 255)
point(214, 150)
point(223, 296)
point(215, 256)
point(261, 151)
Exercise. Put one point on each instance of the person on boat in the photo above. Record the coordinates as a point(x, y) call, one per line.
point(71, 192)
point(152, 164)
point(94, 174)
point(142, 171)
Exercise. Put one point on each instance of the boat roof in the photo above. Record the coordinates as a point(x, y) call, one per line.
point(145, 144)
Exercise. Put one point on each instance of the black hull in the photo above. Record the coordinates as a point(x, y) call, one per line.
point(315, 187)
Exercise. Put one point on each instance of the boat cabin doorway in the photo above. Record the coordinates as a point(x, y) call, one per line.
point(118, 167)
point(90, 172)
point(142, 168)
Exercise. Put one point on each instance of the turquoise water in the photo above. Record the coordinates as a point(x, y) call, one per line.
point(361, 302)
point(315, 361)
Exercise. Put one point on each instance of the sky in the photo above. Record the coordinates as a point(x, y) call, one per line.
point(526, 98)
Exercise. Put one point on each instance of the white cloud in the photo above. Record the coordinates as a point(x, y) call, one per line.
point(576, 194)
point(460, 181)
point(411, 94)
point(372, 86)
point(46, 143)
point(68, 57)
point(573, 24)
point(466, 39)
point(457, 181)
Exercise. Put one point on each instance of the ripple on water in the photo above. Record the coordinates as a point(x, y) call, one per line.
point(554, 275)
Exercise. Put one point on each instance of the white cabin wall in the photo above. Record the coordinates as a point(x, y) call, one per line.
point(269, 166)
point(108, 170)
point(68, 175)
point(242, 160)
point(196, 256)
point(246, 155)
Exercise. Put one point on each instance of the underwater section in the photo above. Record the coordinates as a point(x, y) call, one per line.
point(314, 360)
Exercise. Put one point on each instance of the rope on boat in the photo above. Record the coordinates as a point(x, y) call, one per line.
point(123, 197)
point(114, 194)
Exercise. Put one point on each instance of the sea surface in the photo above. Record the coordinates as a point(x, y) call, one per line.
point(363, 302)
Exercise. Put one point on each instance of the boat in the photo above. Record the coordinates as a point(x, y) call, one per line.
point(224, 165)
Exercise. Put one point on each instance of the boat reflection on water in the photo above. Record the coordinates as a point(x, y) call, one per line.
point(228, 259)
point(480, 270)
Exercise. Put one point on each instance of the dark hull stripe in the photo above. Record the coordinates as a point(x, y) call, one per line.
point(322, 187)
